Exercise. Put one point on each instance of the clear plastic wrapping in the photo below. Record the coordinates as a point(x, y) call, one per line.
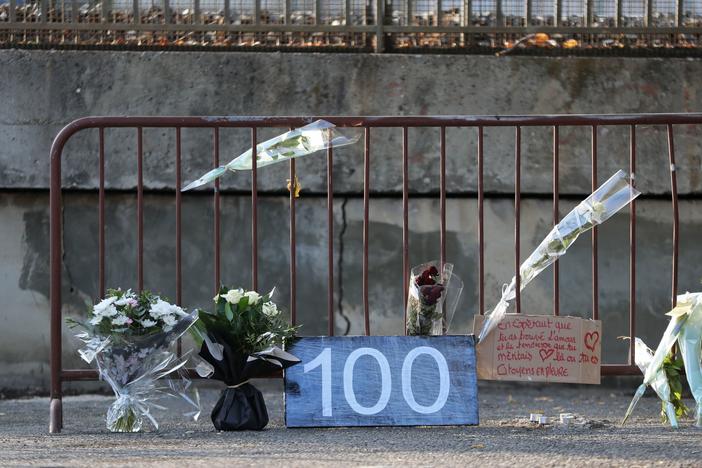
point(604, 202)
point(685, 327)
point(129, 339)
point(432, 297)
point(317, 136)
point(690, 341)
point(643, 357)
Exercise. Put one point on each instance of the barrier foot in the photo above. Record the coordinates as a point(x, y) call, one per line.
point(55, 416)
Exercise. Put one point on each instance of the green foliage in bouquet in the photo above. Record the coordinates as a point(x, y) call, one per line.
point(245, 319)
point(673, 365)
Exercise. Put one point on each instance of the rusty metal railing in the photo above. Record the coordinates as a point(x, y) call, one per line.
point(368, 125)
point(378, 25)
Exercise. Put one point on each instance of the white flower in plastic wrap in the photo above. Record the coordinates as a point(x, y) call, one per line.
point(169, 320)
point(178, 311)
point(253, 296)
point(270, 309)
point(160, 308)
point(126, 299)
point(121, 319)
point(233, 296)
point(96, 320)
point(148, 323)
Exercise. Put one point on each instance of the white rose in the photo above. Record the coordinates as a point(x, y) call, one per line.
point(253, 296)
point(147, 323)
point(270, 309)
point(121, 319)
point(233, 296)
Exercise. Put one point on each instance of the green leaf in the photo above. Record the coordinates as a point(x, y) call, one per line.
point(228, 311)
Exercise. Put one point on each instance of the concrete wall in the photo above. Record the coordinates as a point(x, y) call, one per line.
point(42, 91)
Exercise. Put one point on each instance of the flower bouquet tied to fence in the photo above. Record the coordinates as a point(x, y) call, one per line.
point(128, 336)
point(663, 368)
point(240, 340)
point(316, 136)
point(432, 298)
point(604, 202)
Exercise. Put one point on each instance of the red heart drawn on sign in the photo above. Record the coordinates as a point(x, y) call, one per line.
point(546, 353)
point(591, 340)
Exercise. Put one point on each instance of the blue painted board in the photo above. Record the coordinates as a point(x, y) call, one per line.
point(382, 381)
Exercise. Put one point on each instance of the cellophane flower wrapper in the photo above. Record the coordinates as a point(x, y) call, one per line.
point(686, 303)
point(316, 136)
point(432, 298)
point(690, 341)
point(643, 357)
point(604, 202)
point(241, 406)
point(135, 369)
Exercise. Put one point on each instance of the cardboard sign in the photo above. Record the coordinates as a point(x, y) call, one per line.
point(382, 381)
point(541, 348)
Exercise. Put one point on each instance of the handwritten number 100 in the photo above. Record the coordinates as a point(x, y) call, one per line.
point(324, 359)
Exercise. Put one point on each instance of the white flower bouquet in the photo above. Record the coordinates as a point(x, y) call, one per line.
point(604, 202)
point(128, 336)
point(240, 341)
point(685, 327)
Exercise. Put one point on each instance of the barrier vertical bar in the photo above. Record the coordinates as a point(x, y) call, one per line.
point(254, 210)
point(676, 219)
point(405, 223)
point(442, 209)
point(178, 222)
point(517, 220)
point(217, 215)
point(366, 206)
point(556, 219)
point(140, 209)
point(101, 216)
point(293, 250)
point(481, 236)
point(330, 239)
point(595, 279)
point(632, 246)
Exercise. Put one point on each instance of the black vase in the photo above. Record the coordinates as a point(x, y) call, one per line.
point(240, 409)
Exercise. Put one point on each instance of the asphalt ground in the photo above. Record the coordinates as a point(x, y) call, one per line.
point(503, 438)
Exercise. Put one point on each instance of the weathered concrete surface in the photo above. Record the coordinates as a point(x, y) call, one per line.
point(24, 310)
point(44, 90)
point(503, 438)
point(41, 91)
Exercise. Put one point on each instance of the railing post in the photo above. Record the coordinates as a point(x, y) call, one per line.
point(559, 13)
point(649, 13)
point(196, 12)
point(379, 18)
point(439, 13)
point(498, 13)
point(679, 20)
point(620, 16)
point(166, 11)
point(528, 12)
point(347, 12)
point(13, 7)
point(317, 12)
point(588, 12)
point(136, 16)
point(408, 12)
point(44, 10)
